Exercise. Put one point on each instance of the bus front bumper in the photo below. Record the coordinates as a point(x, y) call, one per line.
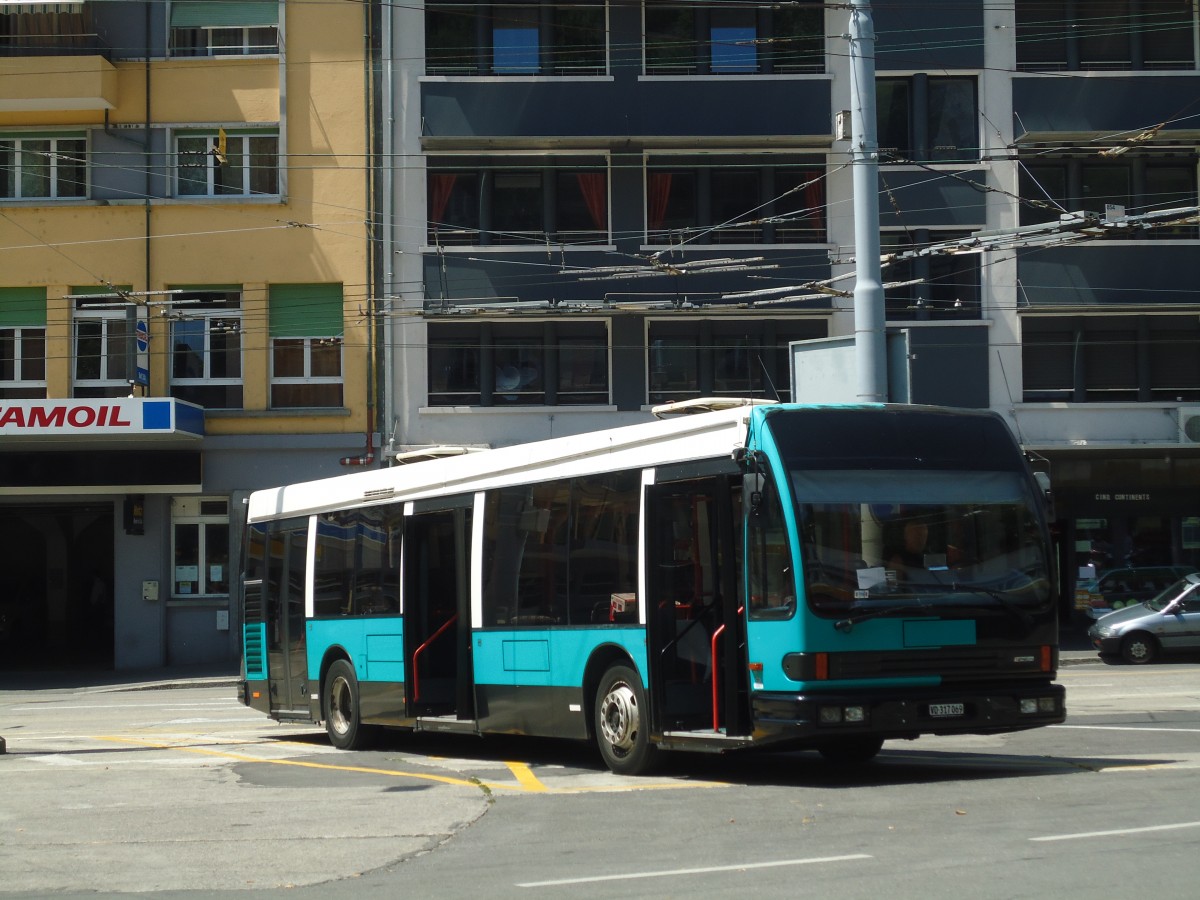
point(906, 713)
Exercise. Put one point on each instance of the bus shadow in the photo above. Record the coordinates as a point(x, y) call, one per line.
point(892, 767)
point(799, 768)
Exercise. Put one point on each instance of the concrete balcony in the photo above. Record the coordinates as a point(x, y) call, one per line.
point(76, 83)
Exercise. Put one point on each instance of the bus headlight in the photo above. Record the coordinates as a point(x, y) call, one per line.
point(836, 715)
point(1034, 705)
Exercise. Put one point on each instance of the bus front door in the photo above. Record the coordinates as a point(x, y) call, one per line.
point(437, 614)
point(695, 630)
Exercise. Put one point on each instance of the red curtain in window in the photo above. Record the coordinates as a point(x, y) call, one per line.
point(441, 186)
point(658, 191)
point(814, 202)
point(595, 194)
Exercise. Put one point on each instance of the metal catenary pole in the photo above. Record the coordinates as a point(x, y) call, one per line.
point(869, 319)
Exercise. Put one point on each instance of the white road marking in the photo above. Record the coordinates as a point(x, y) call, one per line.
point(629, 876)
point(1092, 834)
point(1127, 728)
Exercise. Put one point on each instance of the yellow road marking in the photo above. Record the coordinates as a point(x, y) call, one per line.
point(527, 782)
point(525, 776)
point(241, 757)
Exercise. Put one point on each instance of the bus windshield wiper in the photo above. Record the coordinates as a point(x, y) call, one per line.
point(1023, 615)
point(850, 621)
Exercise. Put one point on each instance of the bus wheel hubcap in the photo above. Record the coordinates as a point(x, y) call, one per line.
point(619, 717)
point(339, 705)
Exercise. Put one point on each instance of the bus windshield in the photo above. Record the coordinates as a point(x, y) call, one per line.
point(939, 539)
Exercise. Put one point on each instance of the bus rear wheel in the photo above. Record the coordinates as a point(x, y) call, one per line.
point(622, 725)
point(339, 704)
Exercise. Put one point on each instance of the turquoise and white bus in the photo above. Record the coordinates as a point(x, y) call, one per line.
point(736, 578)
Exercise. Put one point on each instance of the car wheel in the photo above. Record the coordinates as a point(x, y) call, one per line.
point(1139, 647)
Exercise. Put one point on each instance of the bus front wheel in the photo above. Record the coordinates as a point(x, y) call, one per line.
point(339, 703)
point(622, 725)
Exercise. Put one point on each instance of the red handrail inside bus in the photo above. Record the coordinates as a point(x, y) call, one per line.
point(416, 672)
point(715, 692)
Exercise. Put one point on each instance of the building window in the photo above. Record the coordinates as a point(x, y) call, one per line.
point(199, 547)
point(708, 357)
point(22, 343)
point(518, 364)
point(1139, 184)
point(206, 347)
point(515, 39)
point(929, 119)
point(246, 165)
point(207, 28)
point(1091, 359)
point(103, 333)
point(514, 201)
point(726, 39)
point(306, 345)
point(41, 167)
point(934, 286)
point(1055, 35)
point(735, 200)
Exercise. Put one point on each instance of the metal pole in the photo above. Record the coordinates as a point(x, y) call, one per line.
point(869, 340)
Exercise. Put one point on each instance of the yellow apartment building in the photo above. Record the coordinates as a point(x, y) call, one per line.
point(185, 307)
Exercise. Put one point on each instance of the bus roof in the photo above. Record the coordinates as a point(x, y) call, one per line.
point(679, 439)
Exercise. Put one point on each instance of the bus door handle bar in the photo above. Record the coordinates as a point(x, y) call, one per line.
point(416, 673)
point(716, 720)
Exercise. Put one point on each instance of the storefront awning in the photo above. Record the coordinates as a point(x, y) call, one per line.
point(131, 420)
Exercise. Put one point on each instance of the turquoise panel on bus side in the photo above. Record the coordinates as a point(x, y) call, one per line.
point(375, 645)
point(554, 658)
point(385, 652)
point(526, 655)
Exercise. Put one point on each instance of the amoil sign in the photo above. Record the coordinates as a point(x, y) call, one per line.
point(78, 416)
point(97, 418)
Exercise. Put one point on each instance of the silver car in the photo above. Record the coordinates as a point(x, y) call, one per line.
point(1170, 621)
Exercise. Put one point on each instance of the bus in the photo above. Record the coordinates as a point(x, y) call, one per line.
point(741, 577)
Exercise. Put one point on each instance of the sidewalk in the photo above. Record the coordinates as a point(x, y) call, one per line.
point(119, 679)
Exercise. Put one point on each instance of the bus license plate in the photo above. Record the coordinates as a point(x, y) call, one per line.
point(945, 710)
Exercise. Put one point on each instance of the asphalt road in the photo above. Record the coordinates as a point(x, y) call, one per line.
point(182, 792)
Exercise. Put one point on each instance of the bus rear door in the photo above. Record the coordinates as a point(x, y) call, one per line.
point(274, 624)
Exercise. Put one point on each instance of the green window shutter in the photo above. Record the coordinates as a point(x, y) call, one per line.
point(219, 13)
point(23, 307)
point(306, 310)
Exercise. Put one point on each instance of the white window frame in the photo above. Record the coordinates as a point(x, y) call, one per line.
point(244, 46)
point(188, 511)
point(237, 147)
point(55, 153)
point(18, 382)
point(209, 317)
point(308, 377)
point(106, 317)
